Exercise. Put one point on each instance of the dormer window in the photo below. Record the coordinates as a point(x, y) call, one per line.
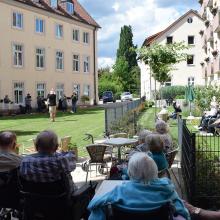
point(53, 3)
point(69, 7)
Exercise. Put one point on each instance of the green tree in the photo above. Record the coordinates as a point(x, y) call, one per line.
point(126, 47)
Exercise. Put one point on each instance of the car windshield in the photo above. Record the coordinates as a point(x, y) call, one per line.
point(126, 93)
point(107, 94)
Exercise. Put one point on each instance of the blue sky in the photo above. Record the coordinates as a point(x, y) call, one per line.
point(145, 16)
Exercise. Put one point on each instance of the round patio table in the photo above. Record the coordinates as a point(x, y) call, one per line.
point(117, 142)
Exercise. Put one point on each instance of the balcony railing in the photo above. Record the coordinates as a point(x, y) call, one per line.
point(216, 22)
point(209, 33)
point(216, 64)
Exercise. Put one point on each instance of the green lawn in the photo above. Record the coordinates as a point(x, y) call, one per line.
point(76, 125)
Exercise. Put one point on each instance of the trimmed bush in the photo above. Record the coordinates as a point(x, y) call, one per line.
point(172, 92)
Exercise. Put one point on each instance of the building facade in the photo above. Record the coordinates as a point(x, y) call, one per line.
point(47, 44)
point(185, 29)
point(210, 35)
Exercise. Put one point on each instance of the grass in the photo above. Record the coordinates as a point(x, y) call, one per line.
point(76, 125)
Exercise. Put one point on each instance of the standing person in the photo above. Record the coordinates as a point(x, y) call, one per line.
point(74, 98)
point(6, 99)
point(64, 103)
point(52, 104)
point(39, 103)
point(28, 103)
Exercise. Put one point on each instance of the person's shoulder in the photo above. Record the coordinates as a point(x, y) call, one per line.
point(162, 181)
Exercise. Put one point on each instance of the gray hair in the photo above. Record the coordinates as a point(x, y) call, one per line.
point(46, 141)
point(161, 127)
point(143, 134)
point(142, 168)
point(7, 138)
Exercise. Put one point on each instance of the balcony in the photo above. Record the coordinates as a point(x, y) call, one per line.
point(203, 8)
point(216, 22)
point(216, 64)
point(209, 33)
point(210, 69)
point(204, 41)
point(204, 71)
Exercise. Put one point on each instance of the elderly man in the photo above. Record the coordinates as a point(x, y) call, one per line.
point(46, 165)
point(9, 160)
point(145, 191)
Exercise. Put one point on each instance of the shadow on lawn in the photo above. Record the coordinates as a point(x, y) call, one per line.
point(24, 133)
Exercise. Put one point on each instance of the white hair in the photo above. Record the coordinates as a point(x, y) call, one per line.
point(161, 127)
point(142, 168)
point(143, 134)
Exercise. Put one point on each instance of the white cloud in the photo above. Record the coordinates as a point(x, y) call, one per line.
point(145, 16)
point(105, 61)
point(116, 6)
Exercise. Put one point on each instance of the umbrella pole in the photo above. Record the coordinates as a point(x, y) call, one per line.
point(190, 109)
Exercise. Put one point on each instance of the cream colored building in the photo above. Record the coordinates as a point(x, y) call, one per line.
point(210, 34)
point(185, 29)
point(47, 44)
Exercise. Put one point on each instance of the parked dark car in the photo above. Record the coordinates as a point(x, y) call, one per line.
point(108, 97)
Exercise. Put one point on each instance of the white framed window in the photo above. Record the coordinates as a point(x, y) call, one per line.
point(59, 91)
point(70, 7)
point(86, 90)
point(18, 92)
point(76, 62)
point(18, 56)
point(40, 58)
point(191, 40)
point(17, 20)
point(76, 89)
point(53, 3)
point(85, 37)
point(41, 90)
point(191, 81)
point(39, 25)
point(59, 60)
point(76, 35)
point(190, 59)
point(59, 30)
point(86, 64)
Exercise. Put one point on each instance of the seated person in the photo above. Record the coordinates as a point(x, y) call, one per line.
point(155, 144)
point(177, 110)
point(202, 214)
point(144, 192)
point(163, 114)
point(47, 165)
point(9, 160)
point(162, 128)
point(142, 146)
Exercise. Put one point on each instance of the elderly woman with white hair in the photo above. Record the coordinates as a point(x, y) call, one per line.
point(162, 128)
point(145, 192)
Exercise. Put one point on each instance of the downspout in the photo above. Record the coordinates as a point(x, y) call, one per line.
point(94, 64)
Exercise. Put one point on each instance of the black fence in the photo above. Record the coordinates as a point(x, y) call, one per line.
point(200, 163)
point(121, 112)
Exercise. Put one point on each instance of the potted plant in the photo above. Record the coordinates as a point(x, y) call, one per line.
point(214, 10)
point(201, 32)
point(73, 147)
point(206, 23)
point(214, 53)
point(207, 59)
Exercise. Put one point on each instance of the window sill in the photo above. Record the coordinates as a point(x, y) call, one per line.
point(76, 72)
point(40, 69)
point(17, 28)
point(60, 70)
point(18, 67)
point(190, 64)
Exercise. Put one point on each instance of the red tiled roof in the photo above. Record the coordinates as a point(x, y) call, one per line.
point(152, 38)
point(80, 14)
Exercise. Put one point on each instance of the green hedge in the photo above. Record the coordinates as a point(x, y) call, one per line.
point(172, 92)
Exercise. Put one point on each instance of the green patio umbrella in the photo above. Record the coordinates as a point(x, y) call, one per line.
point(190, 96)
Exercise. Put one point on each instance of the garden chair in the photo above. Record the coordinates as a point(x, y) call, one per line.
point(64, 142)
point(165, 212)
point(96, 153)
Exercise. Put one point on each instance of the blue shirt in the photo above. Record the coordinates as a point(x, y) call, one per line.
point(138, 196)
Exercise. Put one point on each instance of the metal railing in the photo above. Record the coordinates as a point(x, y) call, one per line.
point(200, 163)
point(117, 112)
